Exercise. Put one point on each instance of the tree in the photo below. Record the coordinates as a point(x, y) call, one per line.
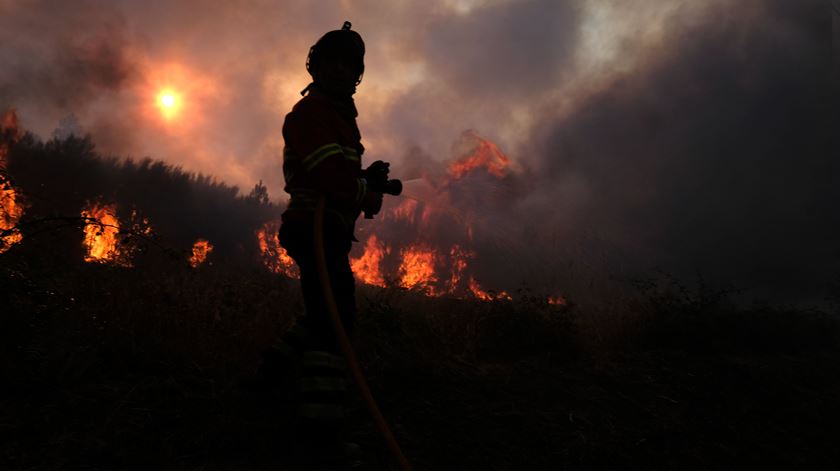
point(259, 193)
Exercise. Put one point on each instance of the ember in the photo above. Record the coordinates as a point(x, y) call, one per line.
point(479, 293)
point(200, 250)
point(557, 300)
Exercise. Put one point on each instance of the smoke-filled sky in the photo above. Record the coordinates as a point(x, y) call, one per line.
point(691, 135)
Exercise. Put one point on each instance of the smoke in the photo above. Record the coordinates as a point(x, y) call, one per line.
point(59, 57)
point(713, 160)
point(688, 136)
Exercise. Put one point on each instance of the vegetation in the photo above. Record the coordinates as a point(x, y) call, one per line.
point(108, 367)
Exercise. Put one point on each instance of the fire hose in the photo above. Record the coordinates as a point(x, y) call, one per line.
point(344, 341)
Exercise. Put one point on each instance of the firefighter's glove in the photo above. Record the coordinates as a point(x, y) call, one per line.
point(372, 202)
point(377, 172)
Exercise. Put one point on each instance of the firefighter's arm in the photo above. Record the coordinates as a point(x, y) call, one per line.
point(337, 177)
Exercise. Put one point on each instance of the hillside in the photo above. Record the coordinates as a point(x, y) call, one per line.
point(146, 365)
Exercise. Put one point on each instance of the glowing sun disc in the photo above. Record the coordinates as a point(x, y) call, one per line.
point(167, 100)
point(169, 103)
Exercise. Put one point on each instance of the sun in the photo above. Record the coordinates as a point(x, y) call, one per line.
point(168, 101)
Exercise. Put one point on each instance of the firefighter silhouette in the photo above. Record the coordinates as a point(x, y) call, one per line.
point(322, 157)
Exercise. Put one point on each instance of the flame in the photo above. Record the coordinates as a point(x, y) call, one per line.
point(9, 126)
point(459, 264)
point(274, 256)
point(557, 300)
point(479, 293)
point(405, 211)
point(11, 208)
point(200, 250)
point(417, 269)
point(101, 236)
point(367, 267)
point(426, 216)
point(10, 213)
point(486, 155)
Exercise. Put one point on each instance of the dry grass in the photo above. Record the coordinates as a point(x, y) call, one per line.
point(114, 368)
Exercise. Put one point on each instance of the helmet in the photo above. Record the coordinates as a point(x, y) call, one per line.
point(342, 43)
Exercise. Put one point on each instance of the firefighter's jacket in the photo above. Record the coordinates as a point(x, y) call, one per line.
point(322, 156)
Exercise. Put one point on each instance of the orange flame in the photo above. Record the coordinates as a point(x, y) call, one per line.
point(9, 126)
point(200, 250)
point(417, 269)
point(479, 293)
point(11, 211)
point(405, 211)
point(274, 256)
point(459, 264)
point(557, 300)
point(486, 155)
point(367, 267)
point(11, 208)
point(10, 214)
point(101, 236)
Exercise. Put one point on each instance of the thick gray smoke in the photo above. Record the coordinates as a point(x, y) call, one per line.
point(716, 158)
point(693, 137)
point(712, 163)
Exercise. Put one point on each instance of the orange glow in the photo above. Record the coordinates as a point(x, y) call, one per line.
point(274, 256)
point(487, 156)
point(200, 250)
point(176, 95)
point(169, 103)
point(10, 213)
point(557, 300)
point(11, 208)
point(367, 267)
point(459, 264)
point(426, 216)
point(417, 270)
point(101, 232)
point(405, 211)
point(479, 293)
point(9, 125)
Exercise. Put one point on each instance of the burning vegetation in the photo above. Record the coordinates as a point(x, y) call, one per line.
point(274, 256)
point(417, 270)
point(200, 250)
point(486, 155)
point(429, 243)
point(368, 267)
point(11, 207)
point(104, 240)
point(11, 211)
point(101, 232)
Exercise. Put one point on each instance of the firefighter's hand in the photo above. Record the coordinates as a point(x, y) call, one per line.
point(377, 171)
point(372, 203)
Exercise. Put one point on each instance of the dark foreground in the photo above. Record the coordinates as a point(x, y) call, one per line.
point(108, 368)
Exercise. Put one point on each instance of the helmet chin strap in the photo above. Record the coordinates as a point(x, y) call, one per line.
point(338, 95)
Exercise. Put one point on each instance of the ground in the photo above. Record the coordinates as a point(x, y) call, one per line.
point(144, 368)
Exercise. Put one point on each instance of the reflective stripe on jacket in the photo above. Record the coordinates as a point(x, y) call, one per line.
point(322, 156)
